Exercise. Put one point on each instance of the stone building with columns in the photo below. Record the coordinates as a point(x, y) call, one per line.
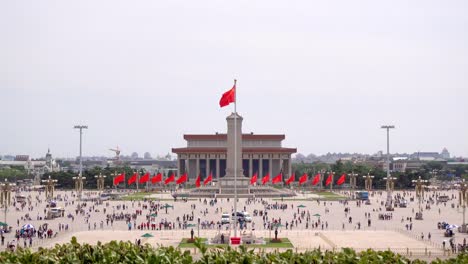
point(208, 153)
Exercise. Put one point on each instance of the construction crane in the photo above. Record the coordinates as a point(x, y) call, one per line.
point(117, 154)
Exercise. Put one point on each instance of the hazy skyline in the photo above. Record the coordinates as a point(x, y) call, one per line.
point(141, 74)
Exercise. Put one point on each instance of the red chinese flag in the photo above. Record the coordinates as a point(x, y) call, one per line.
point(329, 179)
point(133, 179)
point(120, 178)
point(208, 179)
point(253, 179)
point(303, 179)
point(197, 181)
point(278, 178)
point(145, 178)
point(170, 179)
point(182, 179)
point(157, 178)
point(228, 97)
point(291, 179)
point(341, 180)
point(266, 179)
point(316, 179)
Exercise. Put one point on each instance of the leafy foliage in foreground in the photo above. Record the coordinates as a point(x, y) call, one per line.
point(126, 252)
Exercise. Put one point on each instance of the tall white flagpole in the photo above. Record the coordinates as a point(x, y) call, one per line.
point(235, 158)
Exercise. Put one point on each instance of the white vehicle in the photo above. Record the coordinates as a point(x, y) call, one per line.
point(247, 217)
point(225, 218)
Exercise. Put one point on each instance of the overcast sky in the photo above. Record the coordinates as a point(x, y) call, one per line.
point(140, 74)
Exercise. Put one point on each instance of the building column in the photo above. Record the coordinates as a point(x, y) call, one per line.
point(198, 168)
point(250, 166)
point(217, 167)
point(181, 165)
point(270, 167)
point(260, 167)
point(207, 167)
point(290, 167)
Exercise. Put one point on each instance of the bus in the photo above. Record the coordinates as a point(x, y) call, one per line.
point(362, 195)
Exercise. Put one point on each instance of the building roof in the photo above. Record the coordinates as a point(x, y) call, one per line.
point(224, 137)
point(224, 150)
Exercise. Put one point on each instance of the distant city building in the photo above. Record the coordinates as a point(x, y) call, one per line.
point(134, 155)
point(147, 155)
point(445, 154)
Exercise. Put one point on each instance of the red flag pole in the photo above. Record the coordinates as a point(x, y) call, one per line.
point(235, 156)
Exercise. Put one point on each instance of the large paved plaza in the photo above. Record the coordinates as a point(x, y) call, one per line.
point(333, 229)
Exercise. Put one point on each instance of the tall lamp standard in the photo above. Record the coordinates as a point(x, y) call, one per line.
point(50, 187)
point(79, 185)
point(5, 195)
point(368, 182)
point(352, 180)
point(81, 127)
point(419, 186)
point(100, 181)
point(321, 174)
point(463, 201)
point(332, 174)
point(389, 204)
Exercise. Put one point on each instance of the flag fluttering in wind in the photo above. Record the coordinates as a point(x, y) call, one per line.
point(291, 179)
point(278, 178)
point(253, 179)
point(133, 179)
point(170, 179)
point(145, 178)
point(208, 179)
point(316, 179)
point(157, 178)
point(341, 180)
point(197, 181)
point(266, 178)
point(329, 179)
point(228, 97)
point(182, 179)
point(120, 178)
point(303, 179)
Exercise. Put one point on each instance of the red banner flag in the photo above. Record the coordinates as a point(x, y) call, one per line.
point(278, 178)
point(303, 179)
point(253, 179)
point(208, 179)
point(182, 179)
point(341, 180)
point(266, 179)
point(170, 179)
point(329, 179)
point(133, 179)
point(197, 181)
point(145, 178)
point(228, 97)
point(120, 178)
point(291, 179)
point(157, 178)
point(316, 179)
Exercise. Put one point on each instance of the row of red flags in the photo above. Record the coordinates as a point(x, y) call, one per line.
point(183, 178)
point(303, 179)
point(158, 178)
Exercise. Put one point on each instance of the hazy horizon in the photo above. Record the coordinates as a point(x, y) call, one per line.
point(142, 74)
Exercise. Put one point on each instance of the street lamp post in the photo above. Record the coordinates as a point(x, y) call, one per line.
point(100, 181)
point(352, 180)
point(79, 185)
point(198, 232)
point(5, 196)
point(368, 182)
point(463, 200)
point(419, 187)
point(390, 187)
point(321, 176)
point(389, 205)
point(81, 127)
point(50, 187)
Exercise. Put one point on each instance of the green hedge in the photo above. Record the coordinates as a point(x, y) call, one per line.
point(126, 252)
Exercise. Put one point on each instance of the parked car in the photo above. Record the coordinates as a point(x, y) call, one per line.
point(225, 219)
point(240, 217)
point(247, 217)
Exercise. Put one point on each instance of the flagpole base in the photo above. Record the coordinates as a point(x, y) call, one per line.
point(235, 240)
